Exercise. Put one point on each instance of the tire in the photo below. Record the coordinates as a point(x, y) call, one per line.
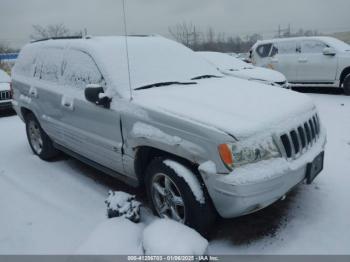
point(346, 85)
point(39, 141)
point(193, 213)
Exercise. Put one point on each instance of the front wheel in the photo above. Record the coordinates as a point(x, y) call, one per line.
point(39, 141)
point(346, 85)
point(175, 192)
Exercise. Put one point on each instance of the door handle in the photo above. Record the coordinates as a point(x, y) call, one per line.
point(68, 103)
point(274, 60)
point(33, 92)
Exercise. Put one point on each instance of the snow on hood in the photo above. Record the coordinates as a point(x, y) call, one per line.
point(235, 67)
point(258, 73)
point(239, 107)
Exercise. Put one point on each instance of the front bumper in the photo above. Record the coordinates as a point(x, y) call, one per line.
point(253, 187)
point(5, 105)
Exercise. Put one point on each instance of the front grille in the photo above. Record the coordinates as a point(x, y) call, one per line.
point(298, 140)
point(5, 95)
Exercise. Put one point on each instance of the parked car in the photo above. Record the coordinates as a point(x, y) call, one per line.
point(231, 66)
point(199, 142)
point(5, 91)
point(307, 61)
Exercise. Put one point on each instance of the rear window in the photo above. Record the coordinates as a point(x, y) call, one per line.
point(264, 50)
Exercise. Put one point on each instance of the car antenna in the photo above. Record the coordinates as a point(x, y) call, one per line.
point(127, 48)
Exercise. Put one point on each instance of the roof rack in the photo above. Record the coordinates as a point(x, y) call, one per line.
point(58, 38)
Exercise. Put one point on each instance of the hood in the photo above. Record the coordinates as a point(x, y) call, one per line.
point(258, 73)
point(4, 86)
point(239, 107)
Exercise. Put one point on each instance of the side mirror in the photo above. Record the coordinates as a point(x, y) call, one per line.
point(93, 94)
point(329, 51)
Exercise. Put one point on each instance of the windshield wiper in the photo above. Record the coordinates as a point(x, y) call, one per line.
point(205, 76)
point(165, 84)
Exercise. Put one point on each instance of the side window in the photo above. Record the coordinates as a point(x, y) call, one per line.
point(287, 47)
point(264, 50)
point(312, 47)
point(79, 70)
point(49, 65)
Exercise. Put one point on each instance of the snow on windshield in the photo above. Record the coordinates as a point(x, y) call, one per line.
point(224, 61)
point(152, 60)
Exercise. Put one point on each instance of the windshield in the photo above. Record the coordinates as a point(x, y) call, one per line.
point(152, 60)
point(224, 61)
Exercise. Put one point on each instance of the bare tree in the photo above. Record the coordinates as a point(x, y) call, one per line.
point(50, 31)
point(185, 33)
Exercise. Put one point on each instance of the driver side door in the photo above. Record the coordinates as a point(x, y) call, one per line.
point(89, 130)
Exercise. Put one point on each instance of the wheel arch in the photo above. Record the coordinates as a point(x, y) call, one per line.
point(345, 72)
point(145, 154)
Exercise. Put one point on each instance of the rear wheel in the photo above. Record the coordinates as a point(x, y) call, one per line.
point(38, 140)
point(346, 85)
point(171, 196)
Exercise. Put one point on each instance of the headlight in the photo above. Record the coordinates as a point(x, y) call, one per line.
point(247, 152)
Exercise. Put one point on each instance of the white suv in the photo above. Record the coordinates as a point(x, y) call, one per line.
point(307, 61)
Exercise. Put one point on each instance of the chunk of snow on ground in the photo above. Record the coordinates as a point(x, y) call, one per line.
point(121, 204)
point(165, 236)
point(148, 131)
point(117, 236)
point(189, 177)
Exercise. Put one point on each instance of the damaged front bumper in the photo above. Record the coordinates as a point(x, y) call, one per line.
point(252, 187)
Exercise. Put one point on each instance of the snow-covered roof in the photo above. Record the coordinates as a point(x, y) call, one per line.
point(4, 77)
point(334, 42)
point(224, 61)
point(153, 59)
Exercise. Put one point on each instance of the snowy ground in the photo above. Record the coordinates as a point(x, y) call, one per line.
point(57, 207)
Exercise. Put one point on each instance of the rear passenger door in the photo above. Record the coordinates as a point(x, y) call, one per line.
point(90, 130)
point(284, 59)
point(45, 91)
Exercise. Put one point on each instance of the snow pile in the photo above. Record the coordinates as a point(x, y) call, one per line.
point(189, 177)
point(121, 204)
point(165, 236)
point(117, 236)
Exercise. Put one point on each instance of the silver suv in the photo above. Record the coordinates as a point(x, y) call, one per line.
point(201, 143)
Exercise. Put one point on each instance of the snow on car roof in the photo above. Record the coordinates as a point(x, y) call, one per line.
point(4, 77)
point(224, 61)
point(153, 59)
